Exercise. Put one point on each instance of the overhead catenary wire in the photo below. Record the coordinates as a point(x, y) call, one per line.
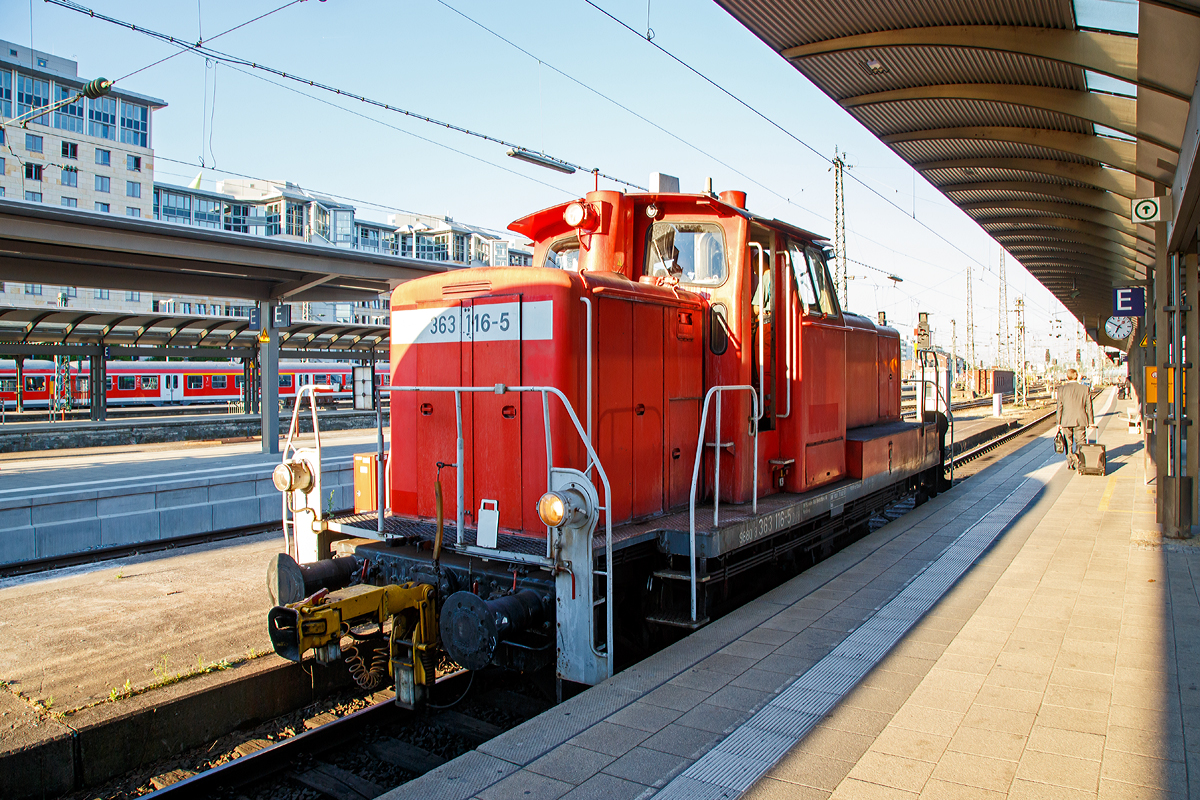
point(232, 60)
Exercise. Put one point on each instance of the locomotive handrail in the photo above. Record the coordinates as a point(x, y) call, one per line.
point(939, 401)
point(501, 388)
point(718, 391)
point(293, 429)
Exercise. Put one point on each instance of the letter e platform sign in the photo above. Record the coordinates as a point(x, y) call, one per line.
point(1129, 301)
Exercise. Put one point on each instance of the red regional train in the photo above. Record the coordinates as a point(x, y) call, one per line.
point(158, 383)
point(666, 413)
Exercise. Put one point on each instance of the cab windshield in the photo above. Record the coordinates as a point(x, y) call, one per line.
point(692, 252)
point(564, 254)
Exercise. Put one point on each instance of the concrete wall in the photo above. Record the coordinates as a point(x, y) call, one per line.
point(65, 523)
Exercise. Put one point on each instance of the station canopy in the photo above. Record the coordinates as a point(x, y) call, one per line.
point(177, 335)
point(1040, 119)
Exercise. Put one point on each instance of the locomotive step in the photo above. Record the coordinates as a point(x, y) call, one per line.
point(680, 575)
point(683, 620)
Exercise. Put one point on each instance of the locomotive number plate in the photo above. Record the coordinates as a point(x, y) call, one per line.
point(481, 322)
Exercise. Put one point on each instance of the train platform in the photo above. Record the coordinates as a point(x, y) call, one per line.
point(1026, 634)
point(64, 503)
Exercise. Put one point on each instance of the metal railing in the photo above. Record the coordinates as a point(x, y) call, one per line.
point(927, 359)
point(719, 445)
point(594, 461)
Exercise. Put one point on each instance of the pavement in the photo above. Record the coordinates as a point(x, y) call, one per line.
point(1061, 664)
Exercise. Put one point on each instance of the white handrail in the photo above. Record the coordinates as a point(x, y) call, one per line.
point(501, 388)
point(718, 391)
point(787, 328)
point(293, 429)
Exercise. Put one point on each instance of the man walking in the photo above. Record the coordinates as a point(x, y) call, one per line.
point(1074, 414)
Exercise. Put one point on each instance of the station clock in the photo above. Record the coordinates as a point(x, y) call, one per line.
point(1119, 328)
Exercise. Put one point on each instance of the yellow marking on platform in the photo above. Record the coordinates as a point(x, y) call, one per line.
point(1108, 492)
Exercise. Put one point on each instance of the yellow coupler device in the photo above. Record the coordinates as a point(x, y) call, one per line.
point(319, 622)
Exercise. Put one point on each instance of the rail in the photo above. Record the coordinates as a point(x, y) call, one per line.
point(593, 458)
point(719, 445)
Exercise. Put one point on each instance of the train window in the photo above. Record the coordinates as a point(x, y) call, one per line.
point(35, 384)
point(718, 329)
point(285, 381)
point(239, 381)
point(693, 252)
point(81, 385)
point(821, 280)
point(564, 254)
point(803, 279)
point(108, 383)
point(8, 385)
point(126, 383)
point(150, 382)
point(220, 381)
point(321, 380)
point(195, 381)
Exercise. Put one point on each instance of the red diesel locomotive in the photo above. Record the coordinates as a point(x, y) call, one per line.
point(668, 408)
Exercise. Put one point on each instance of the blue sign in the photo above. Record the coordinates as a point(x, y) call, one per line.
point(255, 319)
point(1129, 301)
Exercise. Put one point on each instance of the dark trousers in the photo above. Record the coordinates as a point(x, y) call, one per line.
point(1075, 437)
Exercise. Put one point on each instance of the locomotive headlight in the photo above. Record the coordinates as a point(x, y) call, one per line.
point(564, 507)
point(552, 508)
point(291, 476)
point(579, 215)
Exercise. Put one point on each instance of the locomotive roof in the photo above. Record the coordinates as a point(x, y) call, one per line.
point(529, 225)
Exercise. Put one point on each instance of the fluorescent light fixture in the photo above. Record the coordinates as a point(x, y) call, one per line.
point(541, 160)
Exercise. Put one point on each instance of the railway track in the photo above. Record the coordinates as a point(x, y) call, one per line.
point(366, 753)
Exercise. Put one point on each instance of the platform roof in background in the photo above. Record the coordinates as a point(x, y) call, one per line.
point(25, 331)
point(1041, 129)
point(69, 247)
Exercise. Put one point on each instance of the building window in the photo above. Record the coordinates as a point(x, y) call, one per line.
point(135, 124)
point(133, 163)
point(175, 207)
point(33, 143)
point(102, 294)
point(236, 215)
point(70, 150)
point(133, 296)
point(70, 177)
point(133, 189)
point(460, 248)
point(103, 183)
point(69, 202)
point(195, 381)
point(6, 93)
point(220, 381)
point(33, 288)
point(102, 118)
point(102, 207)
point(131, 211)
point(33, 172)
point(273, 220)
point(33, 93)
point(208, 213)
point(33, 197)
point(70, 116)
point(295, 219)
point(104, 157)
point(70, 291)
point(126, 383)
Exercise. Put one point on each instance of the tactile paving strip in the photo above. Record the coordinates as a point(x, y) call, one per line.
point(741, 758)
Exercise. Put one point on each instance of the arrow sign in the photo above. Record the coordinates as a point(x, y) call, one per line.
point(1150, 209)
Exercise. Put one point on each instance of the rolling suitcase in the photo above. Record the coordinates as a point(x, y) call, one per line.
point(1091, 459)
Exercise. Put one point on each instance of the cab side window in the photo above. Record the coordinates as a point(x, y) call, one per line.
point(822, 283)
point(802, 275)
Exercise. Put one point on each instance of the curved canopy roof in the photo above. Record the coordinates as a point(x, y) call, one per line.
point(1039, 127)
point(68, 326)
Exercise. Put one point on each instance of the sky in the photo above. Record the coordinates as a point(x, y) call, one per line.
point(569, 82)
